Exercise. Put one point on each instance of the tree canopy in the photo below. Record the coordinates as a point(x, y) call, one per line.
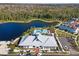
point(25, 12)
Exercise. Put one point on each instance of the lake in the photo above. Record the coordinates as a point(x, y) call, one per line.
point(12, 30)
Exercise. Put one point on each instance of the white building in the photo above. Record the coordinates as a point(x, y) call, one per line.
point(77, 31)
point(4, 48)
point(46, 41)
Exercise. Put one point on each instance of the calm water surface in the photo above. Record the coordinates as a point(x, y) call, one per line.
point(12, 30)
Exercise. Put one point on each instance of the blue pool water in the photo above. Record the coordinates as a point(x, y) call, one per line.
point(12, 30)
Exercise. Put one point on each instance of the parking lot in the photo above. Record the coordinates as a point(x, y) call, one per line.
point(65, 43)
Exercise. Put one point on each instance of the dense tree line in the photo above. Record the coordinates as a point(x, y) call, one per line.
point(26, 12)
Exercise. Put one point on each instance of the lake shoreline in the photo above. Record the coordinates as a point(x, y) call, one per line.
point(15, 29)
point(50, 21)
